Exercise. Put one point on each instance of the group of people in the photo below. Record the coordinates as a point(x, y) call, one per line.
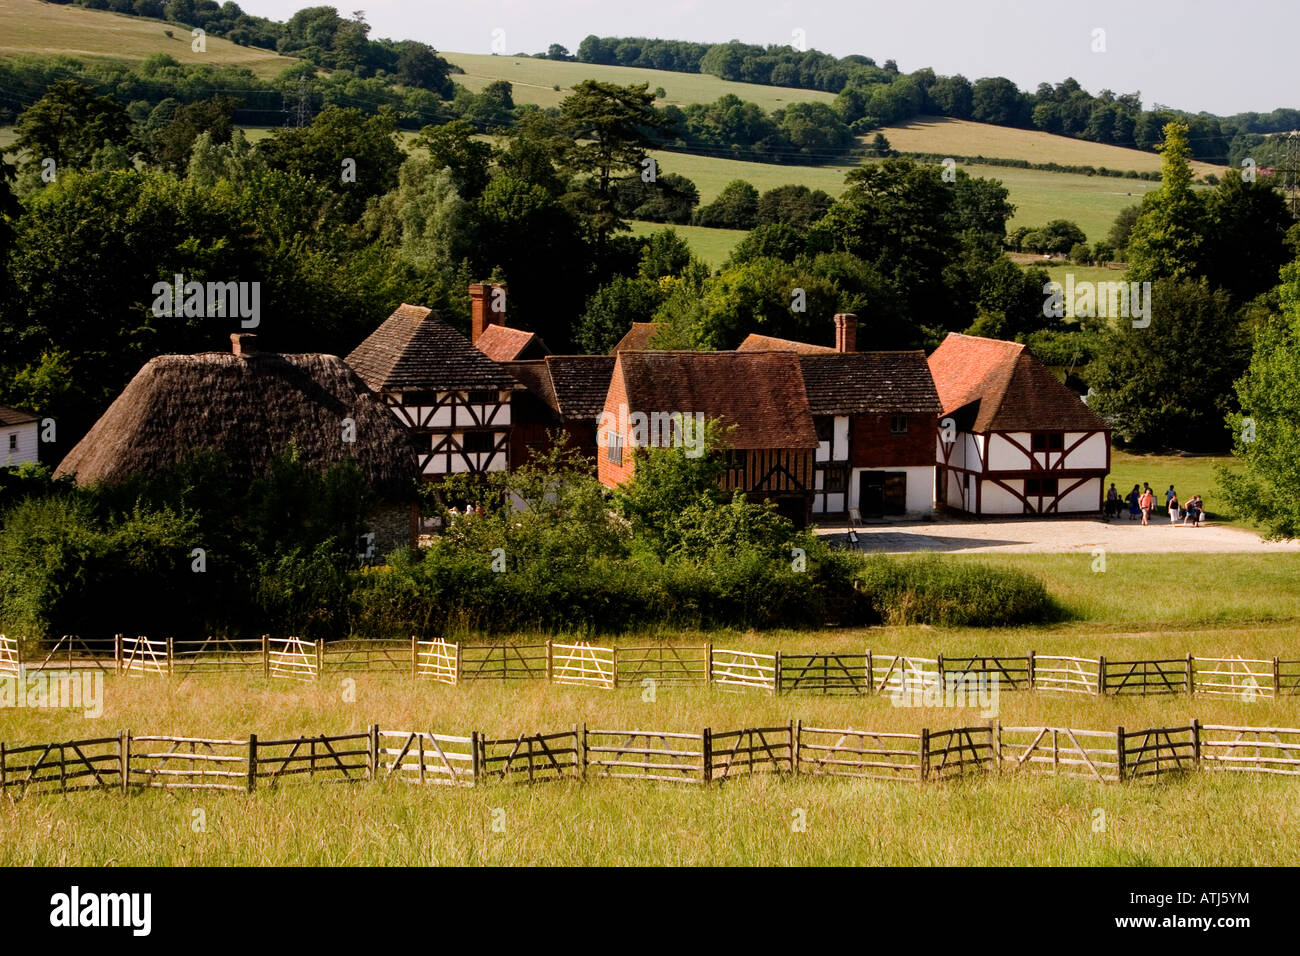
point(1142, 501)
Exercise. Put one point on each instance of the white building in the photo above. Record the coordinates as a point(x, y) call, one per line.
point(19, 438)
point(1012, 438)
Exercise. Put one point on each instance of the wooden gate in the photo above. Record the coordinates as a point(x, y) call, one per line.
point(645, 755)
point(1239, 677)
point(858, 753)
point(1066, 675)
point(93, 764)
point(11, 661)
point(189, 763)
point(428, 758)
point(532, 758)
point(744, 669)
point(1270, 750)
point(663, 664)
point(1144, 678)
point(438, 660)
point(956, 752)
point(752, 750)
point(825, 674)
point(140, 656)
point(1160, 750)
point(291, 658)
point(1059, 751)
point(582, 663)
point(902, 675)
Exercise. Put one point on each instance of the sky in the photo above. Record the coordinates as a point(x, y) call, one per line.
point(1198, 55)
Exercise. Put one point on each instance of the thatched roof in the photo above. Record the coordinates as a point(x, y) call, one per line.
point(249, 407)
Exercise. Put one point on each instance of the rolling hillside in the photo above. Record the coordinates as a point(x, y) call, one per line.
point(33, 28)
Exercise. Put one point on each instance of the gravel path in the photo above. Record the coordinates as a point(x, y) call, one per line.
point(1057, 535)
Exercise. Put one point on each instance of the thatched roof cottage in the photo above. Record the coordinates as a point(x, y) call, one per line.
point(251, 406)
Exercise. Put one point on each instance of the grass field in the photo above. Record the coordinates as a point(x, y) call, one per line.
point(534, 81)
point(940, 134)
point(1245, 604)
point(711, 245)
point(32, 28)
point(1189, 475)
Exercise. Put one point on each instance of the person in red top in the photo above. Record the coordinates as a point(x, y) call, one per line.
point(1146, 502)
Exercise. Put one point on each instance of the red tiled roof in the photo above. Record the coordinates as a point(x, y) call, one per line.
point(863, 383)
point(413, 348)
point(767, 343)
point(501, 343)
point(15, 416)
point(761, 394)
point(1014, 391)
point(637, 339)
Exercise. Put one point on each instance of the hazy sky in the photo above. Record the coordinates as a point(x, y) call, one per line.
point(1222, 56)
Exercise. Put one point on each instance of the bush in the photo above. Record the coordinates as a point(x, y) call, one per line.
point(951, 594)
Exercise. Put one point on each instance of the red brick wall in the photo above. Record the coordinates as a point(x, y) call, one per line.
point(871, 445)
point(610, 474)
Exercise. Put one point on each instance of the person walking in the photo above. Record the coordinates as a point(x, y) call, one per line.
point(1171, 503)
point(1146, 501)
point(1133, 497)
point(1112, 502)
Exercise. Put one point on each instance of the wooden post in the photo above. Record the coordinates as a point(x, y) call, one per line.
point(613, 654)
point(708, 666)
point(4, 780)
point(549, 656)
point(924, 760)
point(124, 751)
point(1101, 676)
point(117, 653)
point(1277, 679)
point(415, 656)
point(1119, 751)
point(706, 748)
point(266, 655)
point(320, 658)
point(580, 750)
point(171, 656)
point(871, 680)
point(995, 736)
point(459, 662)
point(1190, 677)
point(943, 685)
point(1196, 743)
point(252, 762)
point(420, 753)
point(1031, 669)
point(372, 752)
point(475, 749)
point(796, 734)
point(776, 676)
point(18, 657)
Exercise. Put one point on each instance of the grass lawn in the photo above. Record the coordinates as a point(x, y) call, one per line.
point(1190, 475)
point(533, 81)
point(711, 245)
point(32, 28)
point(941, 134)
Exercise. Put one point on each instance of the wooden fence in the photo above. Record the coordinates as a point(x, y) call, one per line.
point(11, 656)
point(125, 761)
point(593, 665)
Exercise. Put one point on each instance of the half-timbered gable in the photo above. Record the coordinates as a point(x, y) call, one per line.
point(760, 395)
point(1012, 439)
point(455, 401)
point(875, 414)
point(560, 392)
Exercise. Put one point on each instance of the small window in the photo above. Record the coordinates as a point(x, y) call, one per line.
point(1048, 441)
point(13, 441)
point(825, 428)
point(736, 461)
point(614, 450)
point(898, 425)
point(837, 479)
point(1040, 486)
point(478, 441)
point(482, 398)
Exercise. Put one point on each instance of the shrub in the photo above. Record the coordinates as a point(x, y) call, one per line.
point(952, 594)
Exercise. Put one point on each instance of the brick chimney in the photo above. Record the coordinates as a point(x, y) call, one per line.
point(243, 343)
point(846, 332)
point(487, 306)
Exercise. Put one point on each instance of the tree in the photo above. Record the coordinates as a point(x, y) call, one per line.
point(610, 128)
point(453, 146)
point(670, 198)
point(1245, 242)
point(68, 124)
point(170, 146)
point(1168, 238)
point(1122, 228)
point(1059, 235)
point(796, 206)
point(736, 207)
point(1266, 432)
point(613, 308)
point(1169, 384)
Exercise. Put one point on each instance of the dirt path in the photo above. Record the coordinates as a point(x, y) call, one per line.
point(1057, 535)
